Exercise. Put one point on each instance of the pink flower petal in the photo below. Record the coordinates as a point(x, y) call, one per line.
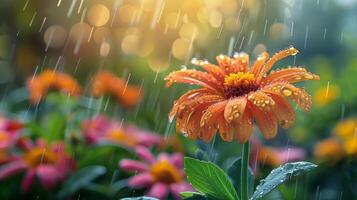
point(177, 160)
point(47, 175)
point(163, 156)
point(158, 190)
point(290, 154)
point(141, 180)
point(177, 188)
point(11, 168)
point(144, 137)
point(28, 180)
point(144, 154)
point(132, 165)
point(25, 144)
point(41, 143)
point(64, 166)
point(5, 143)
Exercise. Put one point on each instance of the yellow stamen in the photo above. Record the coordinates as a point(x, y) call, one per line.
point(122, 138)
point(239, 79)
point(164, 171)
point(38, 156)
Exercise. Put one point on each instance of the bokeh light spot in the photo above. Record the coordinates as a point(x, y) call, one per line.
point(55, 36)
point(98, 15)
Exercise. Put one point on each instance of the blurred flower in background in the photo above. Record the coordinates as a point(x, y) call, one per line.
point(343, 143)
point(272, 156)
point(326, 95)
point(161, 175)
point(100, 129)
point(9, 132)
point(48, 163)
point(107, 83)
point(40, 84)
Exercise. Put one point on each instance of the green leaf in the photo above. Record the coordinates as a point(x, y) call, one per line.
point(80, 179)
point(192, 196)
point(140, 198)
point(209, 179)
point(278, 175)
point(234, 174)
point(56, 125)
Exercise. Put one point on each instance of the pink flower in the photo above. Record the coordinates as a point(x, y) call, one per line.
point(272, 156)
point(9, 132)
point(48, 163)
point(161, 175)
point(101, 129)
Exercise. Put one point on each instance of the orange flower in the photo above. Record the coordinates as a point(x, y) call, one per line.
point(106, 83)
point(234, 94)
point(346, 129)
point(351, 147)
point(329, 150)
point(48, 79)
point(326, 95)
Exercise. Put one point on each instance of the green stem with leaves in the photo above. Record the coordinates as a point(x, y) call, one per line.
point(244, 171)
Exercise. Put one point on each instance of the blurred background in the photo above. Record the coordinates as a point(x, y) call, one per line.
point(141, 41)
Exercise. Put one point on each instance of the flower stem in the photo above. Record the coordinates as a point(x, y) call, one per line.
point(244, 171)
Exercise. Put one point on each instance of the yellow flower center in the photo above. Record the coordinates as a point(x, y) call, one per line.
point(237, 84)
point(164, 171)
point(122, 138)
point(38, 156)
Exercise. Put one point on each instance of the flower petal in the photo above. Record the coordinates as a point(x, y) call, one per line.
point(144, 137)
point(284, 112)
point(193, 124)
point(177, 188)
point(216, 71)
point(193, 76)
point(177, 160)
point(189, 107)
point(276, 57)
point(209, 121)
point(145, 154)
point(261, 100)
point(290, 154)
point(212, 113)
point(47, 175)
point(266, 122)
point(11, 168)
point(298, 95)
point(259, 63)
point(224, 127)
point(241, 61)
point(225, 63)
point(291, 75)
point(28, 180)
point(244, 128)
point(186, 97)
point(141, 180)
point(235, 108)
point(159, 190)
point(132, 165)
